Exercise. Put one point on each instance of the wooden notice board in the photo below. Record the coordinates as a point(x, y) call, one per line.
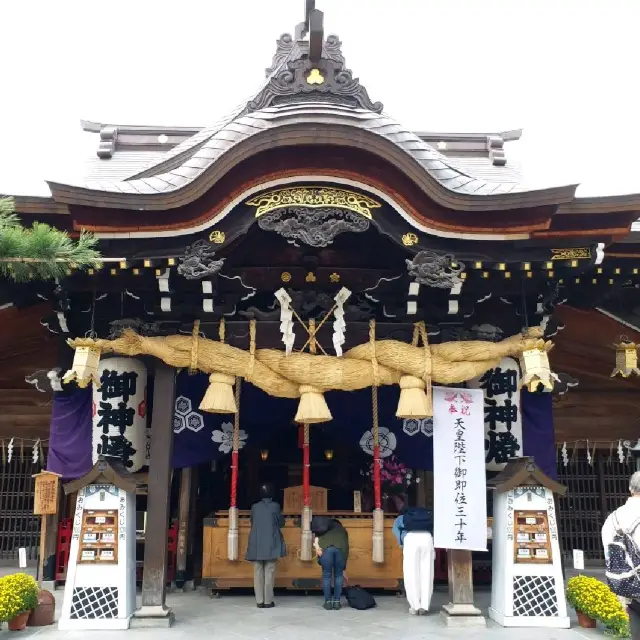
point(531, 544)
point(45, 501)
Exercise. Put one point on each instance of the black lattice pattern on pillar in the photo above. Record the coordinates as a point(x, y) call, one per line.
point(534, 596)
point(94, 603)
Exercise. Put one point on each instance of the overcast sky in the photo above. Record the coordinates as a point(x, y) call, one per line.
point(566, 71)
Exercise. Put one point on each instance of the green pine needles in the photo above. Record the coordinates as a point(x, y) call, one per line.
point(40, 252)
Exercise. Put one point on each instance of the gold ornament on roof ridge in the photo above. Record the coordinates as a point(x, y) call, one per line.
point(315, 77)
point(217, 237)
point(314, 197)
point(571, 253)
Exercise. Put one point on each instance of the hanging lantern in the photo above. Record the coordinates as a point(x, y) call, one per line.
point(328, 454)
point(84, 369)
point(264, 454)
point(536, 371)
point(626, 358)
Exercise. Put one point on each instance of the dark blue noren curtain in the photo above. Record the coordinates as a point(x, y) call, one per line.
point(537, 430)
point(201, 437)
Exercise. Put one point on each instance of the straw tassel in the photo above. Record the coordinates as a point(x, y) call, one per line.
point(312, 408)
point(232, 534)
point(378, 513)
point(219, 395)
point(416, 395)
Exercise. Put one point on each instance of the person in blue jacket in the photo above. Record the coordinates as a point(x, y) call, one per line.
point(413, 530)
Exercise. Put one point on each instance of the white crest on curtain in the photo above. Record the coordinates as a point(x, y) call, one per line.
point(286, 320)
point(185, 417)
point(224, 437)
point(386, 439)
point(339, 325)
point(414, 426)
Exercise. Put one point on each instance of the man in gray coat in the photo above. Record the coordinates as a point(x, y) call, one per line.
point(265, 546)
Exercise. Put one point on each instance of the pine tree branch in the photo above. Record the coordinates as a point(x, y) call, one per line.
point(40, 252)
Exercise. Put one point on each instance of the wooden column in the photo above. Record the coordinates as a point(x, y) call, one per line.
point(47, 572)
point(154, 611)
point(461, 612)
point(183, 527)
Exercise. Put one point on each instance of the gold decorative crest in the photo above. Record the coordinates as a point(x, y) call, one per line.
point(285, 276)
point(217, 237)
point(315, 77)
point(311, 277)
point(409, 239)
point(314, 197)
point(334, 277)
point(583, 253)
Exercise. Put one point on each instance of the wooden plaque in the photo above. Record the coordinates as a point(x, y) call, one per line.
point(293, 499)
point(357, 502)
point(45, 501)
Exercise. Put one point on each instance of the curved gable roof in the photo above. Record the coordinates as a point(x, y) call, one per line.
point(216, 151)
point(304, 103)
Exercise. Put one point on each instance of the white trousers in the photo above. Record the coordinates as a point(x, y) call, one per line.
point(417, 566)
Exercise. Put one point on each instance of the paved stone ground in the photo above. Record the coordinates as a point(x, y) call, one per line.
point(235, 617)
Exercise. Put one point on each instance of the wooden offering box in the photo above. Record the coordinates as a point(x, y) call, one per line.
point(293, 573)
point(531, 544)
point(99, 537)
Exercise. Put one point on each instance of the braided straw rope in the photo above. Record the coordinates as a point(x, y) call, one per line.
point(282, 376)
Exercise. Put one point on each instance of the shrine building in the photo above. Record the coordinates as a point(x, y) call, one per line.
point(283, 297)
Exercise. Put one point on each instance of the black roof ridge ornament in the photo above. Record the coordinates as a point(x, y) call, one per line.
point(304, 71)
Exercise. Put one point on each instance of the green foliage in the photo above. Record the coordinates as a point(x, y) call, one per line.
point(18, 593)
point(40, 252)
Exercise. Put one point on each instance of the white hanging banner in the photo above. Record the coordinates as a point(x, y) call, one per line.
point(502, 415)
point(460, 487)
point(120, 412)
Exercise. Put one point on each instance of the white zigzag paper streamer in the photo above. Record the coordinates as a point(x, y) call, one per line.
point(36, 452)
point(339, 325)
point(565, 454)
point(10, 450)
point(286, 320)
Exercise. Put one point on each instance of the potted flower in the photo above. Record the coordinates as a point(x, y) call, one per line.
point(18, 596)
point(593, 600)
